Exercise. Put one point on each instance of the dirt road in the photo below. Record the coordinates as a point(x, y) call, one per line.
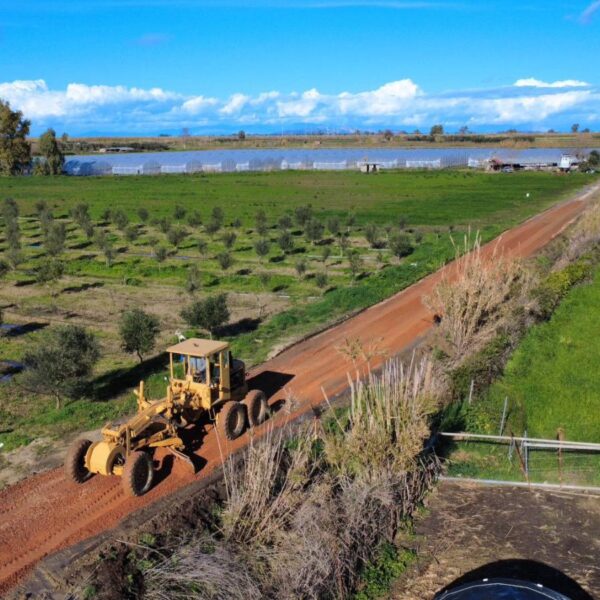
point(46, 513)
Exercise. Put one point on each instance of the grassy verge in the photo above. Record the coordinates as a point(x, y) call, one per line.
point(550, 385)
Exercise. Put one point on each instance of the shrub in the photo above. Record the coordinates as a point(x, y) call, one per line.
point(321, 279)
point(176, 235)
point(225, 260)
point(60, 363)
point(300, 267)
point(556, 286)
point(314, 231)
point(194, 219)
point(55, 239)
point(49, 271)
point(477, 301)
point(262, 248)
point(209, 314)
point(138, 331)
point(303, 214)
point(286, 242)
point(229, 239)
point(120, 219)
point(400, 245)
point(143, 214)
point(179, 212)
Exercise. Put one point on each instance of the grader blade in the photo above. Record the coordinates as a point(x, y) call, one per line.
point(184, 457)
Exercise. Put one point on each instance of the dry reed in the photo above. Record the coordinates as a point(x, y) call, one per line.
point(304, 513)
point(477, 299)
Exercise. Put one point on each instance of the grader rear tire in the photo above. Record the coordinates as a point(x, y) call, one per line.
point(258, 409)
point(138, 474)
point(231, 420)
point(75, 468)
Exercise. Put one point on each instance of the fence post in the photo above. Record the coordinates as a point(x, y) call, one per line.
point(503, 419)
point(561, 436)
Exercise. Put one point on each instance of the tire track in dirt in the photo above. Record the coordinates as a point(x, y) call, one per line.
point(46, 513)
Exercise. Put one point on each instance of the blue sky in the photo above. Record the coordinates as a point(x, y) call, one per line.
point(146, 67)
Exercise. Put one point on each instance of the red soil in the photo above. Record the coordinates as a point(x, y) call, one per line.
point(46, 512)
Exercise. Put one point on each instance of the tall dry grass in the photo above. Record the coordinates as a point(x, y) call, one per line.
point(582, 238)
point(305, 512)
point(477, 299)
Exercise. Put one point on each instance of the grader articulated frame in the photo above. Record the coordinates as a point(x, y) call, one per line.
point(204, 380)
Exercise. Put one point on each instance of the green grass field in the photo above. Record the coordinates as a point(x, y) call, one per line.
point(552, 382)
point(440, 198)
point(94, 294)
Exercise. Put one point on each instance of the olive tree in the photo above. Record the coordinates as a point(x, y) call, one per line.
point(208, 314)
point(60, 363)
point(138, 331)
point(50, 150)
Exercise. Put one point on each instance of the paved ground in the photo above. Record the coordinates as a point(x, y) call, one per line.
point(46, 513)
point(473, 532)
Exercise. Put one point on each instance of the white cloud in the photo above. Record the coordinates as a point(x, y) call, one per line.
point(536, 83)
point(81, 108)
point(235, 105)
point(587, 15)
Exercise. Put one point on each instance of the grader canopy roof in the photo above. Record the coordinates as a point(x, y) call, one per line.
point(198, 347)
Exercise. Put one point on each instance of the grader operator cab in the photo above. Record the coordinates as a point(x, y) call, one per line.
point(204, 379)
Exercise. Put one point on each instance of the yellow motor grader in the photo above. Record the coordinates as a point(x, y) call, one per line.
point(204, 379)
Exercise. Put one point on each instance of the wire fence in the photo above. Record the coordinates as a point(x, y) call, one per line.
point(532, 460)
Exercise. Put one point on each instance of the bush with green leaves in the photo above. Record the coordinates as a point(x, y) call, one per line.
point(179, 212)
point(321, 279)
point(285, 241)
point(208, 314)
point(50, 150)
point(161, 254)
point(176, 236)
point(333, 226)
point(355, 262)
point(192, 279)
point(285, 222)
point(212, 227)
point(143, 214)
point(314, 231)
point(60, 363)
point(49, 271)
point(225, 260)
point(138, 331)
point(120, 219)
point(400, 245)
point(131, 233)
point(229, 239)
point(217, 215)
point(300, 267)
point(262, 247)
point(303, 214)
point(372, 235)
point(261, 223)
point(194, 219)
point(55, 239)
point(201, 246)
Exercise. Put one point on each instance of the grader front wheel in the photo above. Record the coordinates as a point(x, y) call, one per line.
point(138, 474)
point(75, 468)
point(231, 420)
